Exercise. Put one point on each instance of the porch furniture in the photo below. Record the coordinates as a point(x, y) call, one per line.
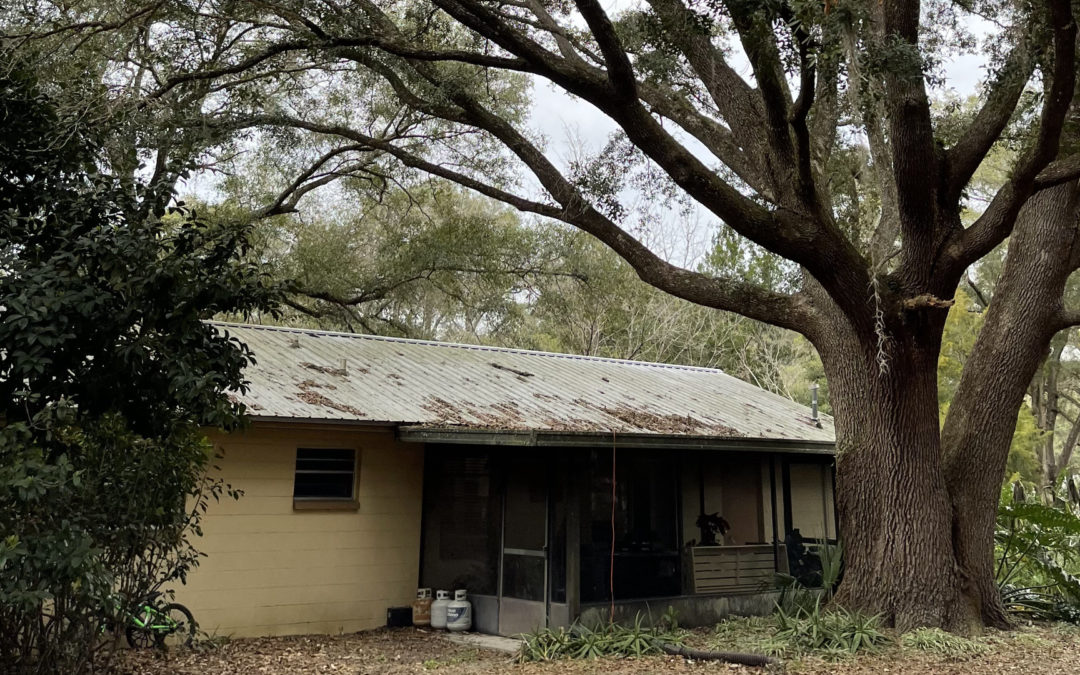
point(727, 569)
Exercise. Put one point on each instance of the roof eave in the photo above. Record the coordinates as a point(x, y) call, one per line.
point(551, 438)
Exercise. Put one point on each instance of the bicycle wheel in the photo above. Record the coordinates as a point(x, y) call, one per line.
point(140, 636)
point(174, 626)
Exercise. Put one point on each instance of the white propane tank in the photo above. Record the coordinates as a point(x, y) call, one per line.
point(438, 609)
point(459, 612)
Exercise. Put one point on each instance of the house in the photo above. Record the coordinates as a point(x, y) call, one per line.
point(550, 486)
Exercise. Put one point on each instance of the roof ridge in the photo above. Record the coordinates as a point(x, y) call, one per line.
point(473, 347)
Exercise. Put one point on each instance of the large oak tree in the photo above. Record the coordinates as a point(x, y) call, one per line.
point(876, 252)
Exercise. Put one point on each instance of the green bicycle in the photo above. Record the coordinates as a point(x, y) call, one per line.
point(154, 625)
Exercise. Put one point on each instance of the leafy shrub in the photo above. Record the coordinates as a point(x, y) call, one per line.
point(944, 643)
point(108, 374)
point(749, 634)
point(583, 642)
point(795, 597)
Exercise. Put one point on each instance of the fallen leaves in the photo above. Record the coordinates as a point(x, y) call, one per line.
point(1033, 650)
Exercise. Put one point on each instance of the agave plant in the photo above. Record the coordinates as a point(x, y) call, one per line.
point(611, 639)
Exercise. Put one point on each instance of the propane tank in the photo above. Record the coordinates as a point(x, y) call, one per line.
point(459, 612)
point(438, 609)
point(421, 607)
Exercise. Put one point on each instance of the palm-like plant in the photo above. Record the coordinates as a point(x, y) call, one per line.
point(1038, 551)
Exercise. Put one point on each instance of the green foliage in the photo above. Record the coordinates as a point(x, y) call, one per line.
point(796, 597)
point(432, 262)
point(829, 631)
point(108, 372)
point(611, 639)
point(748, 634)
point(803, 624)
point(962, 327)
point(944, 643)
point(1038, 551)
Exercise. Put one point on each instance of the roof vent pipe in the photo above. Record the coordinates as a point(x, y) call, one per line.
point(813, 404)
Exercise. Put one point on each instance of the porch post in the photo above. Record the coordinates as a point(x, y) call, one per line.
point(574, 495)
point(772, 496)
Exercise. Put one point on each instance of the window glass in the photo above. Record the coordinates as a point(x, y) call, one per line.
point(324, 474)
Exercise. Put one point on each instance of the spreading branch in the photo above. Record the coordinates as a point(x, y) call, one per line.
point(963, 158)
point(995, 224)
point(719, 292)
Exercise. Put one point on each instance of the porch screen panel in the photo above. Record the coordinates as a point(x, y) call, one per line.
point(462, 513)
point(646, 554)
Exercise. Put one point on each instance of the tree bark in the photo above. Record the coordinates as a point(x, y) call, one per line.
point(893, 502)
point(1022, 318)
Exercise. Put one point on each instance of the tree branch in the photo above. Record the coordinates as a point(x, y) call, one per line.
point(1058, 172)
point(963, 158)
point(995, 224)
point(620, 71)
point(911, 136)
point(286, 201)
point(717, 292)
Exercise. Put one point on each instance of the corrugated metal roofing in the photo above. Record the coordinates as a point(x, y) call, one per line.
point(318, 375)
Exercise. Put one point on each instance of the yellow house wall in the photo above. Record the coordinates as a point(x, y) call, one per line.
point(273, 570)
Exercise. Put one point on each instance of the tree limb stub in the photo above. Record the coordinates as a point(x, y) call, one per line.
point(926, 301)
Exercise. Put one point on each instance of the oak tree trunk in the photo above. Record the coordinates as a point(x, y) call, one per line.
point(892, 501)
point(1021, 320)
point(917, 504)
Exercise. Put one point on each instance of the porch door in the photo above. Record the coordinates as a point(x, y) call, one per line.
point(523, 584)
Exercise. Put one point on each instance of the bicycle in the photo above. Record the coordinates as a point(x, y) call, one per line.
point(151, 625)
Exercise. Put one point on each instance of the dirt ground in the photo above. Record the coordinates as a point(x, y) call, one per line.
point(1031, 650)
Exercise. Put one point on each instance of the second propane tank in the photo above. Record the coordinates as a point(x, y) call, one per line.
point(438, 609)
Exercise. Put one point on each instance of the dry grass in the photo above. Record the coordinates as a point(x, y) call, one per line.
point(1031, 650)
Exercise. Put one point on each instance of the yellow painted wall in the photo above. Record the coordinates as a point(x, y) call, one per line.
point(272, 570)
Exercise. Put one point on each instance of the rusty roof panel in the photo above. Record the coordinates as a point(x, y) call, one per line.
point(319, 375)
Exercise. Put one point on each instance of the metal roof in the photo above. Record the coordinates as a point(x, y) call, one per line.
point(326, 376)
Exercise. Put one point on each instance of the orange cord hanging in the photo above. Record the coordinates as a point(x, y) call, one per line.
point(611, 564)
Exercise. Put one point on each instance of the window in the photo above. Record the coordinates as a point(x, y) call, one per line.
point(325, 474)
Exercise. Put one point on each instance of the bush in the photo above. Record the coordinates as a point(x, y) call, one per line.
point(1038, 552)
point(833, 631)
point(107, 373)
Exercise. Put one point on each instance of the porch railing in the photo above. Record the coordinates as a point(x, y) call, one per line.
point(733, 569)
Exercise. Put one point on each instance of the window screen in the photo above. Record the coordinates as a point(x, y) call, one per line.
point(324, 474)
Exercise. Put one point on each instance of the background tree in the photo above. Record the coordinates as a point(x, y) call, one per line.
point(1054, 397)
point(829, 158)
point(107, 375)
